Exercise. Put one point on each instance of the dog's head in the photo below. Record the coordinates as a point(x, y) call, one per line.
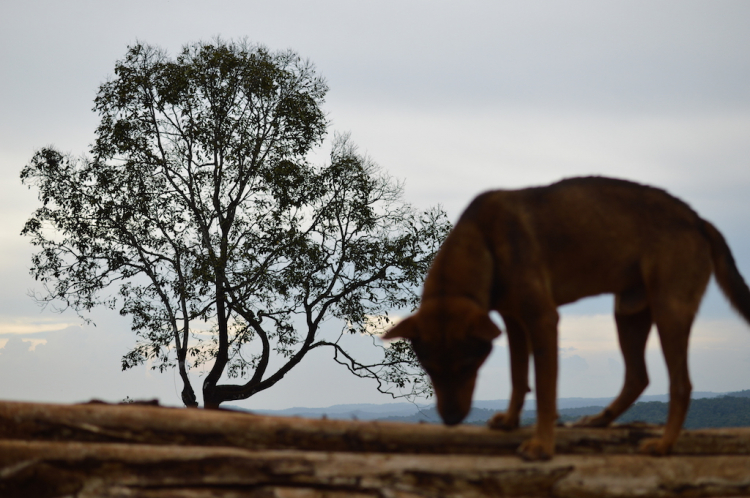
point(451, 338)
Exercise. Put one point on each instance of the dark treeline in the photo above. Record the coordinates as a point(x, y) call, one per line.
point(730, 410)
point(726, 411)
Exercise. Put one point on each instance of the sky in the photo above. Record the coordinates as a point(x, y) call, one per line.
point(453, 98)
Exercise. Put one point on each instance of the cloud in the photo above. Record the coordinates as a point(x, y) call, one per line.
point(76, 364)
point(33, 343)
point(587, 333)
point(616, 367)
point(30, 325)
point(719, 356)
point(575, 364)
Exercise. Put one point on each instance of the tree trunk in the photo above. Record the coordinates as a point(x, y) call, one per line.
point(211, 397)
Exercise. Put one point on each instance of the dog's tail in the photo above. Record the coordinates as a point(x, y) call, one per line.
point(726, 272)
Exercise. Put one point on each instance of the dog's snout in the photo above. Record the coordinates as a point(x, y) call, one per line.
point(453, 415)
point(453, 418)
point(454, 401)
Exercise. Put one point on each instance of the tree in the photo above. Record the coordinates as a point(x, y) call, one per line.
point(199, 217)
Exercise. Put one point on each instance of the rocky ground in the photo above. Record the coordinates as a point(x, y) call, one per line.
point(99, 450)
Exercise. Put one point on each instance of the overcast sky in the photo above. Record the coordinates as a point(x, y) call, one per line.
point(452, 97)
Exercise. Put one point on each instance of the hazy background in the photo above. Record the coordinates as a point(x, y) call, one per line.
point(454, 98)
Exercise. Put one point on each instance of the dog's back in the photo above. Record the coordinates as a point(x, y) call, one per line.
point(591, 235)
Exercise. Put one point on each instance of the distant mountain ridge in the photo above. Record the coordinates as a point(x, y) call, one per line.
point(569, 409)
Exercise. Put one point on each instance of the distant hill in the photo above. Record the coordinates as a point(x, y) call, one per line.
point(739, 394)
point(708, 409)
point(724, 411)
point(727, 411)
point(480, 416)
point(361, 411)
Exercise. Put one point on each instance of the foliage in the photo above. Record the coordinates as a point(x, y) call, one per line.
point(199, 217)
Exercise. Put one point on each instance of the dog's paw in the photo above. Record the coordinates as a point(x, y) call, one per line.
point(655, 447)
point(503, 422)
point(533, 450)
point(599, 420)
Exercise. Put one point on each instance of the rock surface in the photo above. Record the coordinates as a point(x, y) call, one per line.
point(98, 450)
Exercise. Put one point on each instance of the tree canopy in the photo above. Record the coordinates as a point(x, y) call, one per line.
point(198, 215)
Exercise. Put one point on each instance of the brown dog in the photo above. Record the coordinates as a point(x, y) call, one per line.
point(526, 252)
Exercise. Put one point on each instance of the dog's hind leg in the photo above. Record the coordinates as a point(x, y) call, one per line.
point(632, 331)
point(675, 289)
point(673, 335)
point(519, 374)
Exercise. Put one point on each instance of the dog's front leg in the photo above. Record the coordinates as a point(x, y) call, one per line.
point(519, 375)
point(542, 330)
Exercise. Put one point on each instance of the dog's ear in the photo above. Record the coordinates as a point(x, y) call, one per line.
point(483, 327)
point(405, 329)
